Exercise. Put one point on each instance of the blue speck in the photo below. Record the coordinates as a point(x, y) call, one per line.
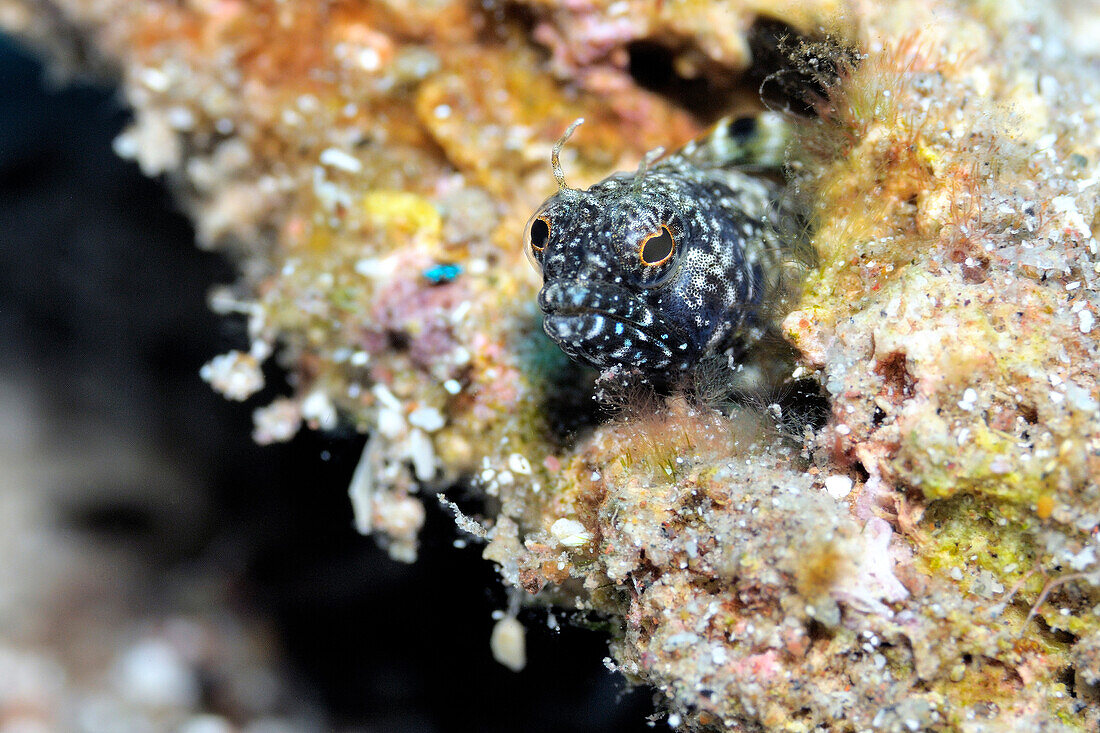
point(442, 273)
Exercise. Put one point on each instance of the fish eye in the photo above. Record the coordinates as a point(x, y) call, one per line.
point(539, 233)
point(535, 237)
point(657, 247)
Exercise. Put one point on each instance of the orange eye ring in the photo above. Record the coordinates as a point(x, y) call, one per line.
point(657, 248)
point(538, 233)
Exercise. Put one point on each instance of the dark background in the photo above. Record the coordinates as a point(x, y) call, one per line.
point(103, 318)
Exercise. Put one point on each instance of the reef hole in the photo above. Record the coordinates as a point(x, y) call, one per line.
point(565, 388)
point(685, 76)
point(861, 472)
point(805, 405)
point(878, 417)
point(1068, 677)
point(789, 71)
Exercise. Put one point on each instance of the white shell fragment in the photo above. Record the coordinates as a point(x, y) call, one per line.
point(970, 397)
point(1087, 321)
point(519, 464)
point(237, 376)
point(317, 408)
point(508, 643)
point(336, 158)
point(838, 486)
point(427, 419)
point(570, 533)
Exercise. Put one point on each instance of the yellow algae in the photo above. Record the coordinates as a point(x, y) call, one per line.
point(403, 213)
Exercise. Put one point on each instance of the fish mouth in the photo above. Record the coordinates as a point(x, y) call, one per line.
point(604, 325)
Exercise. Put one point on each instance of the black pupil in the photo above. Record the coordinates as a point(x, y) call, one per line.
point(540, 232)
point(742, 127)
point(657, 248)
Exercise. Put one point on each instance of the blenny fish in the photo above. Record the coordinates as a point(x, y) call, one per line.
point(655, 270)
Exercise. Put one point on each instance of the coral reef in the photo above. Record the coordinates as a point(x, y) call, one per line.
point(926, 558)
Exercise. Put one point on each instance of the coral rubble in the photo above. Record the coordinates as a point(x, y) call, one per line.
point(925, 558)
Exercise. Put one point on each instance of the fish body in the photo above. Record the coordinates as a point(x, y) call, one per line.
point(656, 270)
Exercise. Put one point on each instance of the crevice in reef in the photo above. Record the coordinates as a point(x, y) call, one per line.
point(705, 89)
point(789, 71)
point(566, 397)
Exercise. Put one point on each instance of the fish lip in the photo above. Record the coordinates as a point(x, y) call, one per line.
point(571, 307)
point(568, 331)
point(567, 298)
